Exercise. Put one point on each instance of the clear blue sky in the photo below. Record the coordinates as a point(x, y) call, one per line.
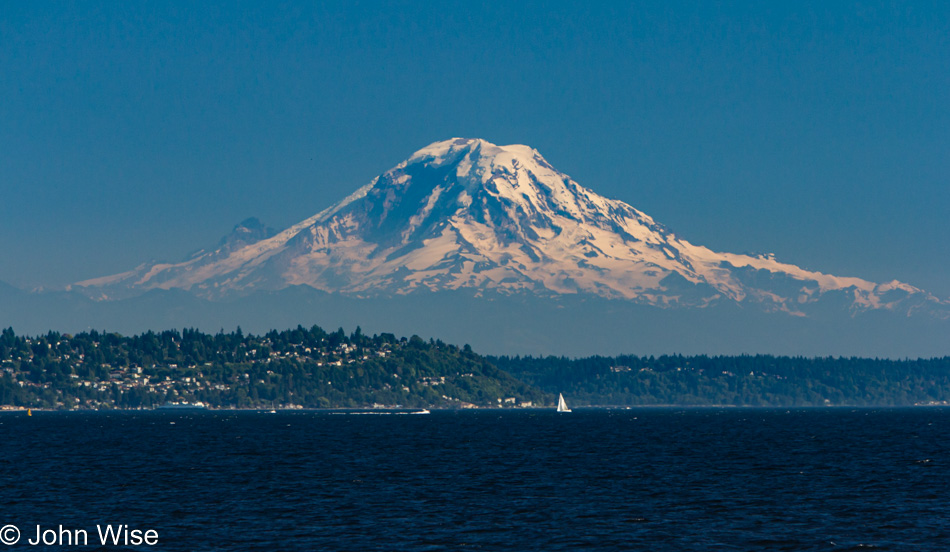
point(138, 131)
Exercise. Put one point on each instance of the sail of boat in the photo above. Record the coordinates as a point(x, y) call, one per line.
point(562, 404)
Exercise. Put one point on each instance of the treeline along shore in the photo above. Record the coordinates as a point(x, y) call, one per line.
point(313, 368)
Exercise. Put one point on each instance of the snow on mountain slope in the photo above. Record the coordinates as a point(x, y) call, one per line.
point(465, 213)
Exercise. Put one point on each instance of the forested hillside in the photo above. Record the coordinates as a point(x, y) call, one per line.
point(300, 367)
point(312, 368)
point(760, 380)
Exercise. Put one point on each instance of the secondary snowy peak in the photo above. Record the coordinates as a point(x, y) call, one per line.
point(468, 214)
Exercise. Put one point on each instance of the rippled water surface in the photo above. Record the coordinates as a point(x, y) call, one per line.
point(657, 479)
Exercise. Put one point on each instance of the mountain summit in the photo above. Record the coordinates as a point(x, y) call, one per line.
point(465, 214)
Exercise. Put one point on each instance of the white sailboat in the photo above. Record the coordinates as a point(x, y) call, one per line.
point(562, 404)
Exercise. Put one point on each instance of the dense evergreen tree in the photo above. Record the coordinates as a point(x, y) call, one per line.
point(298, 367)
point(760, 380)
point(310, 367)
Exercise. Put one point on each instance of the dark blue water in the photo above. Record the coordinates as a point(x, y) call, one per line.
point(703, 479)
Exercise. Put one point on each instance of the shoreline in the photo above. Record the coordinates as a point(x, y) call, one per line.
point(370, 410)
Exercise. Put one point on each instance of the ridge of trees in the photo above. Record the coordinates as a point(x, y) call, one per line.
point(301, 367)
point(742, 380)
point(310, 367)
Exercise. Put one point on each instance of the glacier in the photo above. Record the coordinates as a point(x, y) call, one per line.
point(468, 215)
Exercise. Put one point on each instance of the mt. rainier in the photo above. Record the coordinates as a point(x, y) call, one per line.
point(465, 214)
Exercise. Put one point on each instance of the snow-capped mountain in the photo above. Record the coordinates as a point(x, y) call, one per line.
point(467, 214)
